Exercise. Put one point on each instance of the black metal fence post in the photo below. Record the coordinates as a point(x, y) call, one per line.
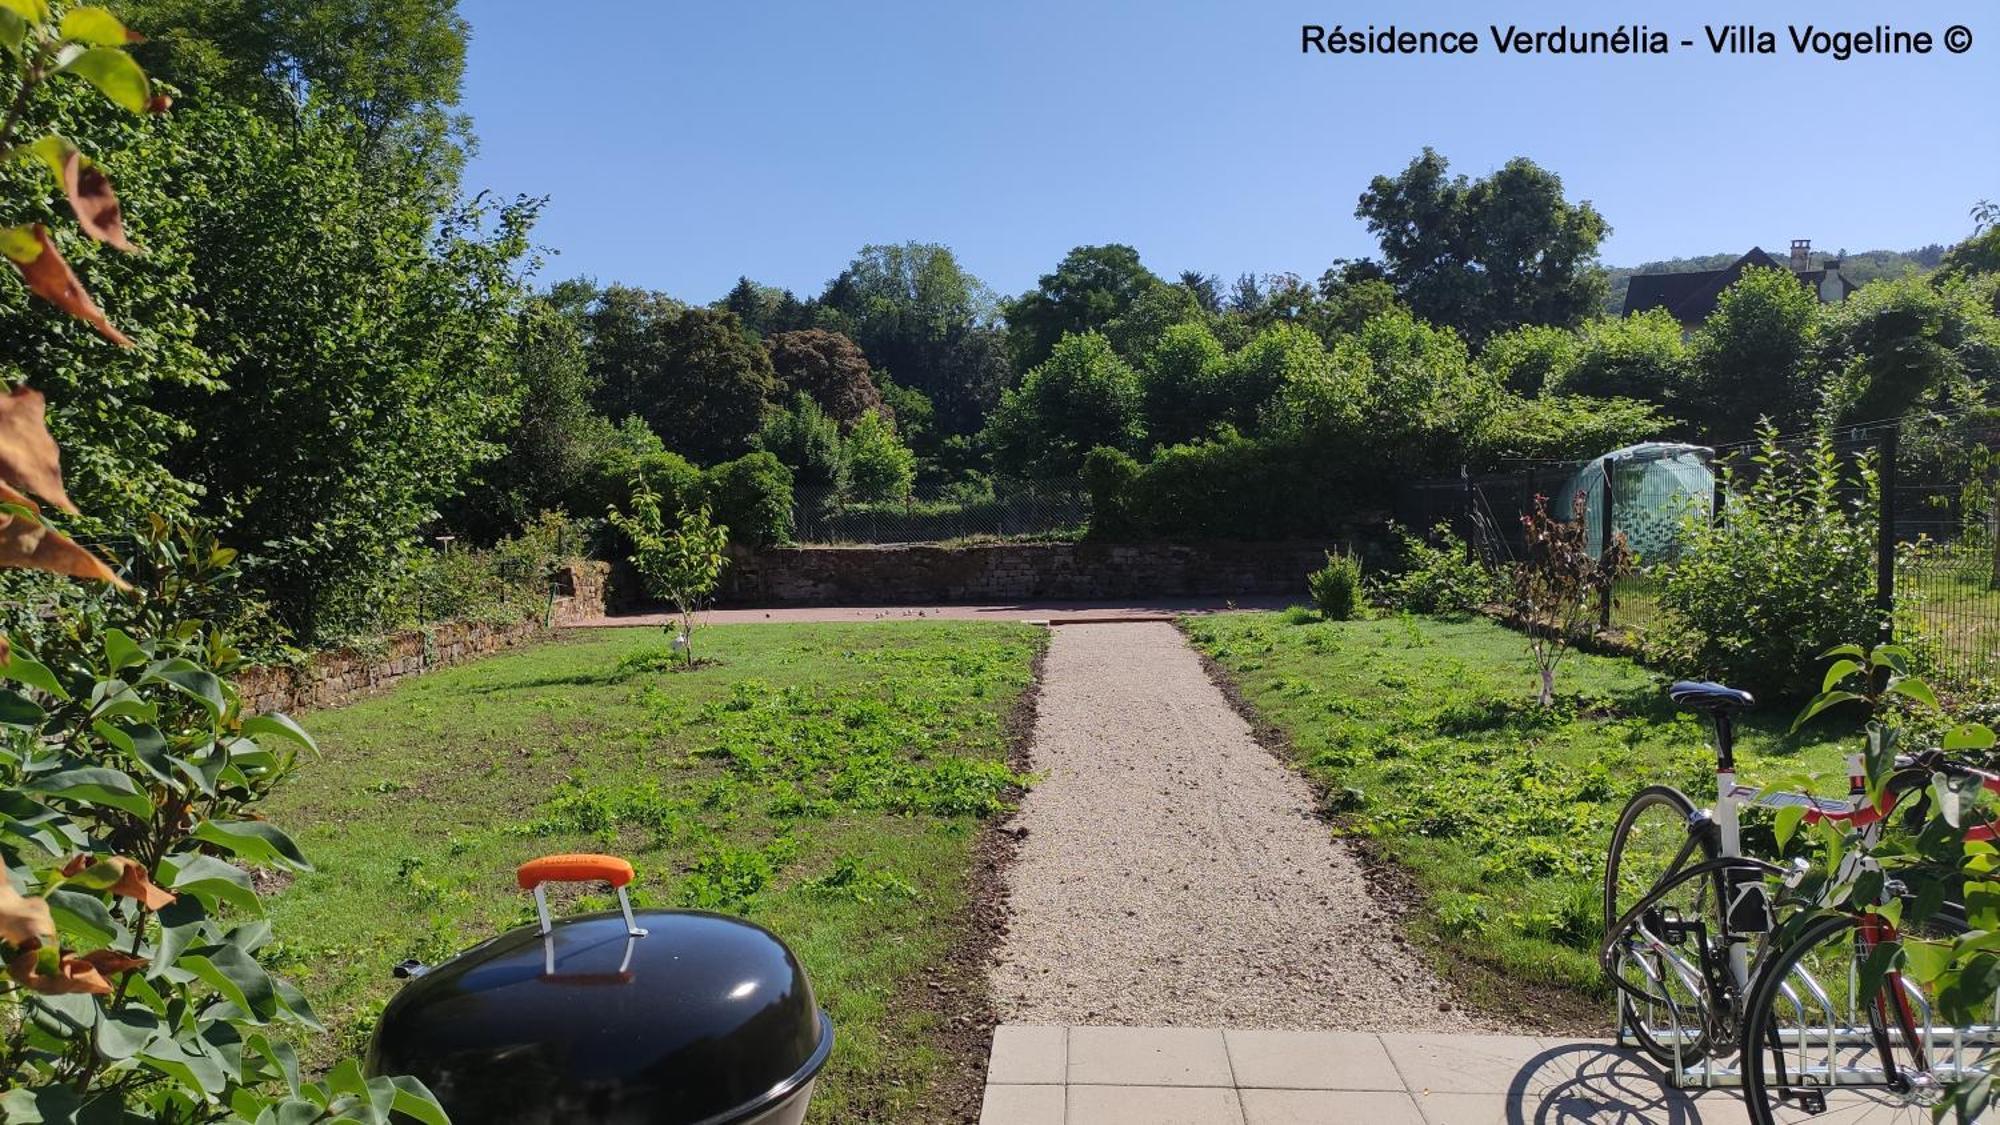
point(1885, 530)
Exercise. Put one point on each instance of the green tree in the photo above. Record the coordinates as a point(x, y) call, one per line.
point(1981, 252)
point(1424, 398)
point(1483, 256)
point(807, 440)
point(362, 333)
point(690, 373)
point(1640, 356)
point(1282, 356)
point(1900, 346)
point(1092, 287)
point(917, 312)
point(1083, 396)
point(680, 563)
point(392, 67)
point(1182, 382)
point(1751, 359)
point(828, 367)
point(879, 465)
point(765, 309)
point(1531, 357)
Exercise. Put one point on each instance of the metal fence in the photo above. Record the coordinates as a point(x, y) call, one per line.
point(1010, 511)
point(1936, 551)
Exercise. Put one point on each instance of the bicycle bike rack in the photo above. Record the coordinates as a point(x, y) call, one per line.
point(1828, 1048)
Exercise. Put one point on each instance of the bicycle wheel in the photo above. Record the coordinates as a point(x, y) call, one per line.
point(1650, 845)
point(1809, 1034)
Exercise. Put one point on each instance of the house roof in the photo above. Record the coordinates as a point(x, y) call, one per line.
point(1690, 297)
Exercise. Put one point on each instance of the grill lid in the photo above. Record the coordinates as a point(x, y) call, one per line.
point(693, 1018)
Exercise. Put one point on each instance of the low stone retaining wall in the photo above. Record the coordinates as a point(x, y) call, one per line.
point(338, 676)
point(997, 572)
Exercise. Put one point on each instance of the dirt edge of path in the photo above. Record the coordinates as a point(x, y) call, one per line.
point(958, 993)
point(1477, 987)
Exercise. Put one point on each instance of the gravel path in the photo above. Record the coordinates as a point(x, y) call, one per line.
point(1173, 872)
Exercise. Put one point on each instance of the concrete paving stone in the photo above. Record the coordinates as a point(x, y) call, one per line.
point(1154, 1105)
point(1329, 1107)
point(1029, 1055)
point(1023, 1105)
point(1148, 1056)
point(1480, 1109)
point(1468, 1064)
point(1310, 1060)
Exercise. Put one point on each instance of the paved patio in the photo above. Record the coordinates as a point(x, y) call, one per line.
point(1207, 1076)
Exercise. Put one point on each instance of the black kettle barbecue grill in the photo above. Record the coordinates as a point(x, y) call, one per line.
point(653, 1017)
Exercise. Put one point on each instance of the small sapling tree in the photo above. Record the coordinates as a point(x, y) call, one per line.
point(680, 564)
point(1555, 589)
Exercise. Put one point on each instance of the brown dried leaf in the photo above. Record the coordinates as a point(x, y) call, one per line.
point(28, 455)
point(110, 962)
point(135, 884)
point(50, 278)
point(95, 204)
point(24, 921)
point(30, 544)
point(73, 974)
point(160, 103)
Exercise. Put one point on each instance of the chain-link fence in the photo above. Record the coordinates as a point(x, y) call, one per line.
point(1935, 555)
point(1008, 511)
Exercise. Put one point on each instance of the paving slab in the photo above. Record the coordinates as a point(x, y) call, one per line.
point(1262, 1076)
point(1154, 1105)
point(1148, 1056)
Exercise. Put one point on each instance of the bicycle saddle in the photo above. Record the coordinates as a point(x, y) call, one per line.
point(1700, 695)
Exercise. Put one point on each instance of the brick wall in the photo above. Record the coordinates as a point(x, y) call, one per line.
point(917, 574)
point(338, 676)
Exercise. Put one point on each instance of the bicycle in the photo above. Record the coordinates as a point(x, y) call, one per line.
point(1706, 987)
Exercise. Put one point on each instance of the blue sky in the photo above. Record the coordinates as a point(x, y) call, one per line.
point(683, 144)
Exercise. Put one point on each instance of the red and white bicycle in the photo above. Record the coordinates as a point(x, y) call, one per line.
point(1709, 985)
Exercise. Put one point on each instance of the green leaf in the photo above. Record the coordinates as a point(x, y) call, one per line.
point(212, 881)
point(253, 840)
point(33, 11)
point(1840, 670)
point(1969, 736)
point(414, 1099)
point(126, 1032)
point(82, 918)
point(121, 651)
point(13, 30)
point(1926, 960)
point(95, 26)
point(282, 726)
point(1787, 822)
point(17, 710)
point(115, 75)
point(235, 975)
point(144, 745)
point(25, 670)
point(1855, 651)
point(39, 1104)
point(191, 678)
point(1821, 702)
point(94, 785)
point(1912, 688)
point(1896, 658)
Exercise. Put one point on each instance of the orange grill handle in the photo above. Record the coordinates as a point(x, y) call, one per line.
point(575, 868)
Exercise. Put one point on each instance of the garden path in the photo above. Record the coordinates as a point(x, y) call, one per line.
point(1173, 873)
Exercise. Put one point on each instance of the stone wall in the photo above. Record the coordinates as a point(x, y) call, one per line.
point(337, 676)
point(1000, 572)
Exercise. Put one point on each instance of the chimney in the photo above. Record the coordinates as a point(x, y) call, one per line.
point(1801, 255)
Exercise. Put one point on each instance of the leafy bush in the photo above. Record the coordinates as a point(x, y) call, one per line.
point(1787, 574)
point(680, 564)
point(1109, 474)
point(1082, 397)
point(807, 440)
point(1336, 587)
point(1556, 588)
point(752, 496)
point(1439, 575)
point(132, 773)
point(879, 465)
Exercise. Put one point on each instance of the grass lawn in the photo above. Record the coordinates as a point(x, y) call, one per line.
point(1427, 737)
point(826, 781)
